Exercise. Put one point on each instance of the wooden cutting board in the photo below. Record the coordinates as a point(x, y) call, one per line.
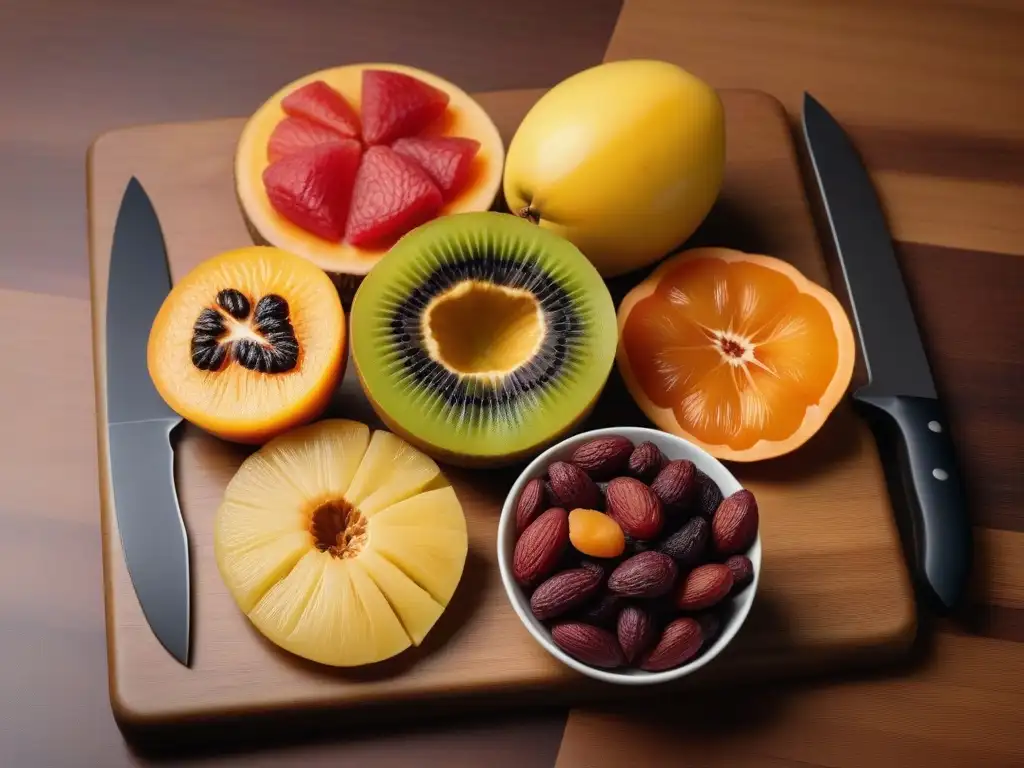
point(834, 590)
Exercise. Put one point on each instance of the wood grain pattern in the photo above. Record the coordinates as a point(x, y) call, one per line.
point(948, 68)
point(922, 89)
point(827, 525)
point(962, 709)
point(76, 68)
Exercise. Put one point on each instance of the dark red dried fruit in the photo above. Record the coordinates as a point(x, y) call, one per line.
point(541, 546)
point(532, 501)
point(709, 626)
point(572, 487)
point(646, 461)
point(635, 508)
point(603, 611)
point(707, 497)
point(565, 591)
point(742, 571)
point(703, 587)
point(649, 574)
point(636, 632)
point(591, 645)
point(688, 545)
point(603, 457)
point(734, 524)
point(676, 483)
point(679, 642)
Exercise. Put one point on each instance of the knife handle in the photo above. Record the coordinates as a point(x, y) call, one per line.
point(939, 518)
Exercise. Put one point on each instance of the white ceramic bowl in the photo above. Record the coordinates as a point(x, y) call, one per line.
point(732, 615)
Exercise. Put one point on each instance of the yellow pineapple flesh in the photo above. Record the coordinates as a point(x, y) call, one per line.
point(341, 546)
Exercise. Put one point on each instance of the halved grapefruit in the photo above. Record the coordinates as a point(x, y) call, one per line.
point(431, 125)
point(736, 352)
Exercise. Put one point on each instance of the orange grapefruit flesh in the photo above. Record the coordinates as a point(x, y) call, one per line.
point(739, 353)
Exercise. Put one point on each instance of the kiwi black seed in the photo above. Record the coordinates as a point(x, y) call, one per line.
point(555, 354)
point(276, 352)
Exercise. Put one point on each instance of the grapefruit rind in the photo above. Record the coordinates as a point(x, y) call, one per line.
point(816, 413)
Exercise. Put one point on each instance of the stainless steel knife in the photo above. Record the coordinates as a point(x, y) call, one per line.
point(900, 387)
point(139, 426)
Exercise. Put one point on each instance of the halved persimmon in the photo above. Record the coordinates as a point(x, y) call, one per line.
point(739, 353)
point(248, 344)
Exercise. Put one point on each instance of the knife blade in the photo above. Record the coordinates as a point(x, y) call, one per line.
point(139, 425)
point(900, 386)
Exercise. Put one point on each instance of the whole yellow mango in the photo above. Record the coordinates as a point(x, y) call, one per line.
point(624, 159)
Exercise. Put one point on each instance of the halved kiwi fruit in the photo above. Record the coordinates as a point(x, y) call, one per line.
point(481, 337)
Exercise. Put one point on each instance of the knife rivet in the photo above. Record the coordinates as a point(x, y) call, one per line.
point(934, 426)
point(940, 474)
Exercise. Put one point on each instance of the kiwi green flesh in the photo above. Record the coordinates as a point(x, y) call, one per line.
point(474, 415)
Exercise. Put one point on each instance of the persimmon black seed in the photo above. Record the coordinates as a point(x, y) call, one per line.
point(249, 354)
point(272, 325)
point(207, 356)
point(286, 346)
point(209, 321)
point(205, 349)
point(220, 353)
point(271, 306)
point(204, 340)
point(282, 361)
point(234, 303)
point(277, 352)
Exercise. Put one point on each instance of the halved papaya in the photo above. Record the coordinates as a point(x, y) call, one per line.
point(249, 344)
point(739, 353)
point(287, 193)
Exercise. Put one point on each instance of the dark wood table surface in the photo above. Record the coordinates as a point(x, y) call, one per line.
point(932, 93)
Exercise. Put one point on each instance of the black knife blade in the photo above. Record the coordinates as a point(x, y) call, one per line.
point(139, 426)
point(900, 387)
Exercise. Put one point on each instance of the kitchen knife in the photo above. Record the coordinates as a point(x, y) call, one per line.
point(900, 387)
point(139, 427)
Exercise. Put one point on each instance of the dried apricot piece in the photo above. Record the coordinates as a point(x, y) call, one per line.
point(595, 533)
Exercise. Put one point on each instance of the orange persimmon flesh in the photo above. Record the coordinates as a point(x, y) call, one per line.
point(235, 402)
point(736, 352)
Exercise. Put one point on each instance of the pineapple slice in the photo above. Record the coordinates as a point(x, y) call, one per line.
point(347, 621)
point(331, 545)
point(319, 459)
point(278, 611)
point(433, 559)
point(438, 508)
point(392, 470)
point(417, 610)
point(425, 536)
point(255, 570)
